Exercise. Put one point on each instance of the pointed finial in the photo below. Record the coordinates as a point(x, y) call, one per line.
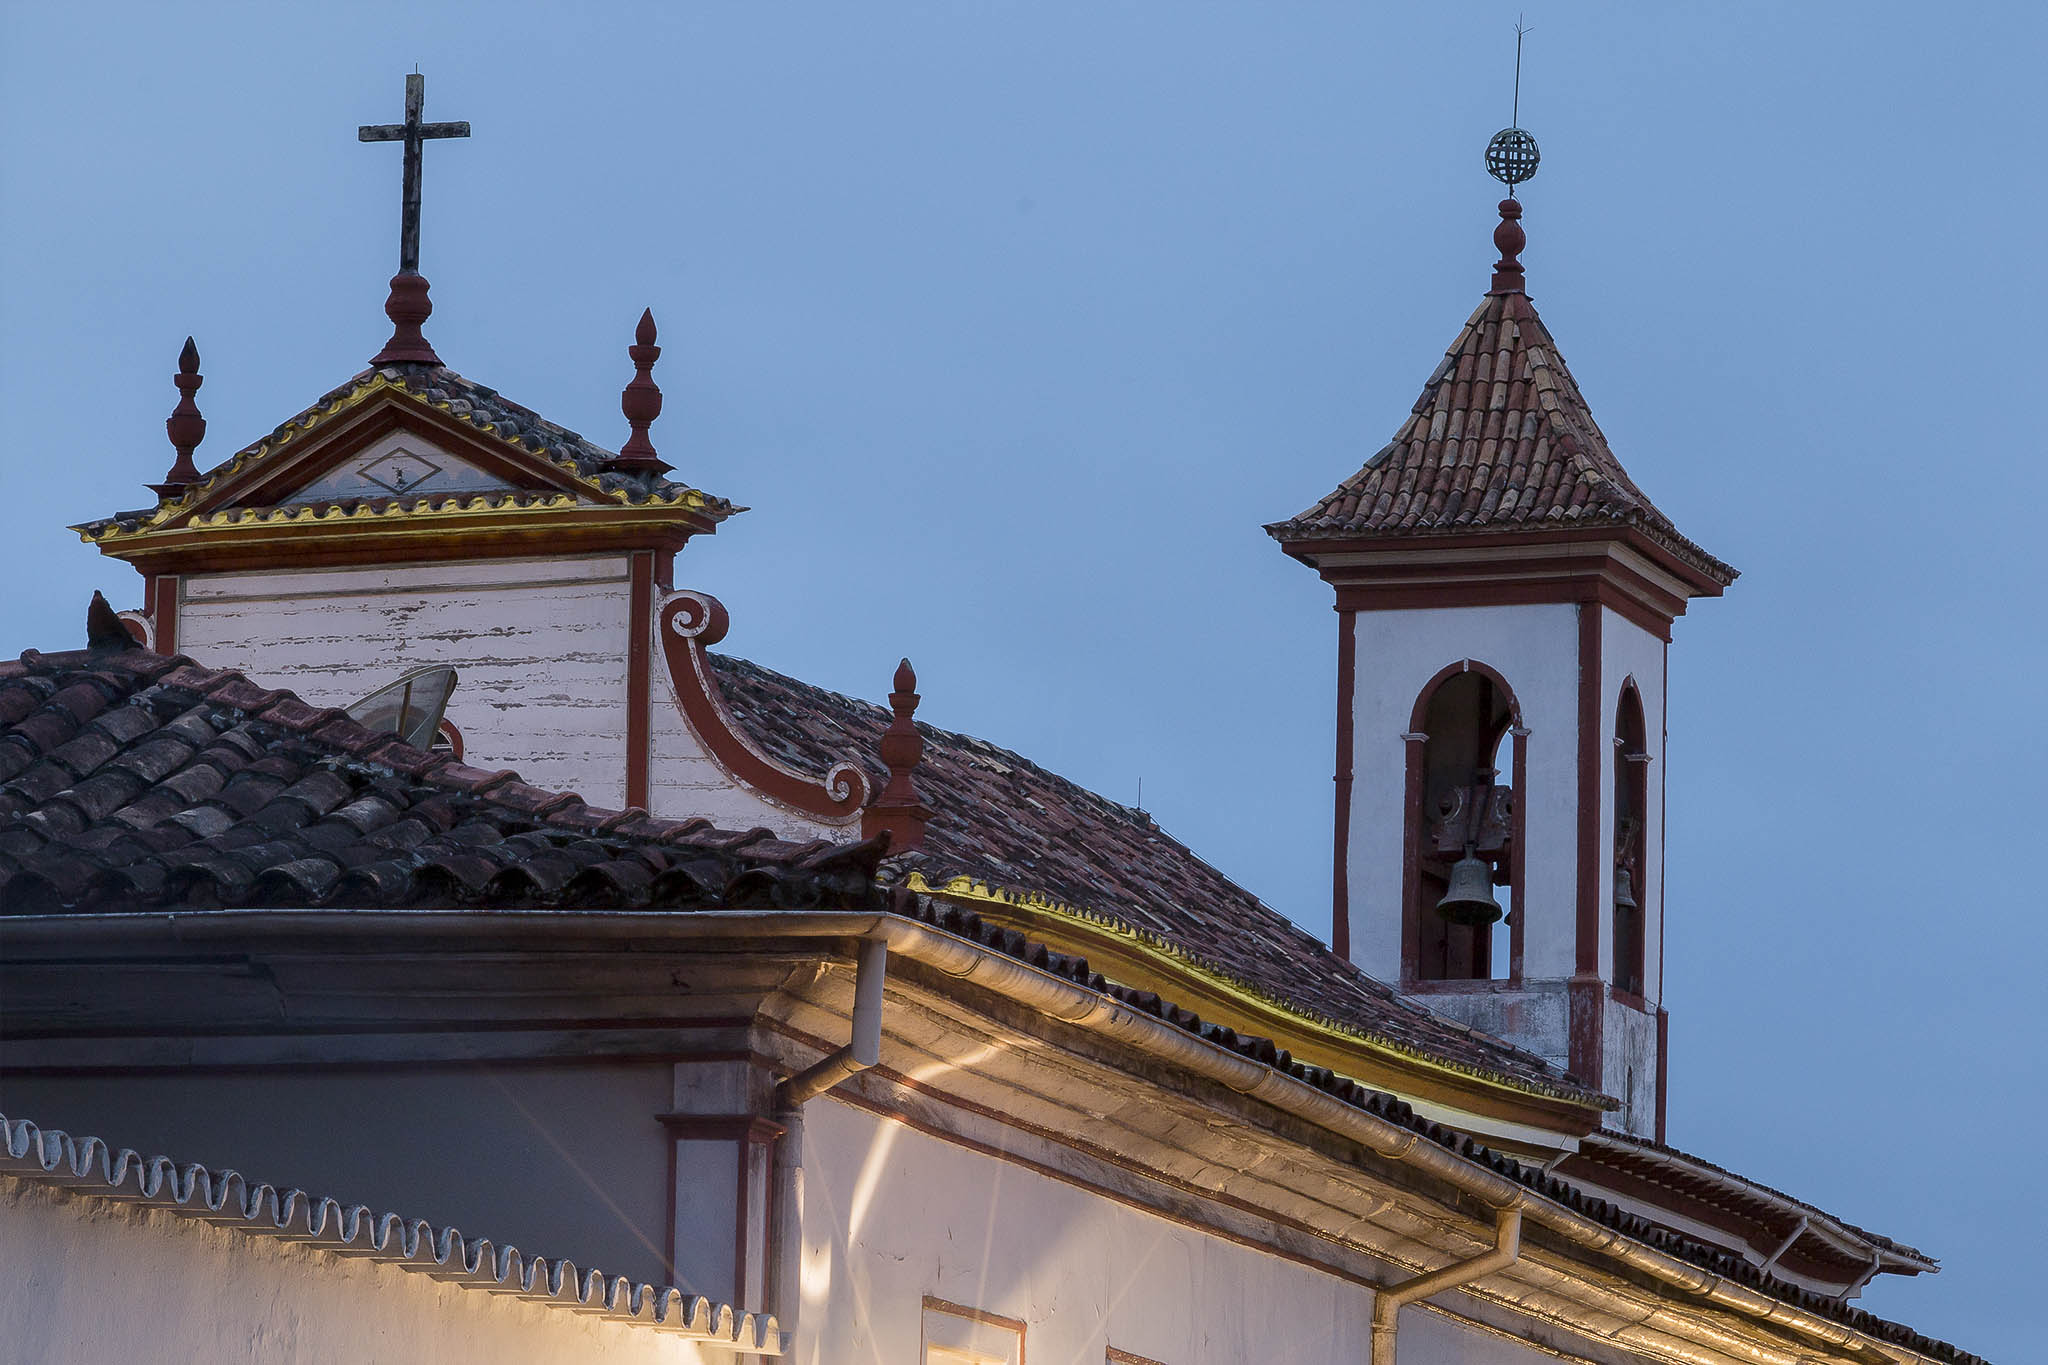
point(897, 810)
point(408, 307)
point(1509, 239)
point(641, 402)
point(103, 629)
point(184, 426)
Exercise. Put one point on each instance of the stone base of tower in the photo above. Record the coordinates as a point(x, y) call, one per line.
point(1618, 1039)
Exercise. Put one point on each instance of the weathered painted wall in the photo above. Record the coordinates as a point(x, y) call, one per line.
point(540, 646)
point(1082, 1272)
point(562, 1161)
point(113, 1282)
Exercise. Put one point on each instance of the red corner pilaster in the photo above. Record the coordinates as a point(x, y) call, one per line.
point(897, 811)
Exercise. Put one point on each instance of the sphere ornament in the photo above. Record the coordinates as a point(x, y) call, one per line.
point(1511, 157)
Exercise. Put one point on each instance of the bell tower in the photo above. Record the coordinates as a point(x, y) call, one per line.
point(1504, 597)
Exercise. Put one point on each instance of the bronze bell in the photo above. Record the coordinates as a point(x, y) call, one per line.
point(1469, 897)
point(1624, 890)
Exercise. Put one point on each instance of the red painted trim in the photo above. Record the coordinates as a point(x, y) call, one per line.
point(1587, 992)
point(718, 1127)
point(163, 611)
point(980, 1315)
point(1340, 869)
point(1587, 959)
point(688, 624)
point(1587, 1000)
point(1663, 1066)
point(1518, 860)
point(453, 735)
point(1697, 581)
point(639, 685)
point(1419, 715)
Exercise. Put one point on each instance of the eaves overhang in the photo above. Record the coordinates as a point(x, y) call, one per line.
point(1000, 960)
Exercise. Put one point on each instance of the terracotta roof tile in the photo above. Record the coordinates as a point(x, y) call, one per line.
point(128, 780)
point(1000, 818)
point(482, 407)
point(1500, 440)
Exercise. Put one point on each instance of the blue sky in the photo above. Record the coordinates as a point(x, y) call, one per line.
point(1013, 323)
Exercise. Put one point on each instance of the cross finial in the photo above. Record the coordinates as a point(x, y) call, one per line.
point(641, 402)
point(408, 306)
point(184, 426)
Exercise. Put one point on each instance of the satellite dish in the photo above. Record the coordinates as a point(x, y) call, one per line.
point(410, 708)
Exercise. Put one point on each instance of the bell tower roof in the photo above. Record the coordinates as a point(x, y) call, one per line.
point(1501, 441)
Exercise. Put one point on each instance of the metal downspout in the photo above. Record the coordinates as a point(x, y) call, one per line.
point(1388, 1299)
point(864, 1050)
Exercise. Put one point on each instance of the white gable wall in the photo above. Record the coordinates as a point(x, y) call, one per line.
point(539, 644)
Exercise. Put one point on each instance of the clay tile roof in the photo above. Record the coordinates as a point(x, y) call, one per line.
point(1000, 819)
point(482, 407)
point(1500, 440)
point(129, 780)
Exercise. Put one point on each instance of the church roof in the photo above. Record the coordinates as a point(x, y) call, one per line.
point(129, 780)
point(1001, 821)
point(441, 388)
point(1501, 440)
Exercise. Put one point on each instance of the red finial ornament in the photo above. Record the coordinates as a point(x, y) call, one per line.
point(897, 810)
point(408, 307)
point(184, 426)
point(1509, 239)
point(641, 402)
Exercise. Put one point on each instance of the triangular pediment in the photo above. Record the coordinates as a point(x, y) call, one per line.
point(404, 452)
point(380, 442)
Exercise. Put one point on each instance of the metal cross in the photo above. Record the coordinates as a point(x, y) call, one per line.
point(414, 135)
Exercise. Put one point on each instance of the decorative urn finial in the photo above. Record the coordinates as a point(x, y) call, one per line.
point(897, 811)
point(641, 402)
point(184, 426)
point(408, 307)
point(1509, 239)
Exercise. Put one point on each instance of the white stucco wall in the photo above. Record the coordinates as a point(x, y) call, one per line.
point(1535, 648)
point(562, 1161)
point(90, 1281)
point(1628, 651)
point(683, 781)
point(892, 1214)
point(540, 646)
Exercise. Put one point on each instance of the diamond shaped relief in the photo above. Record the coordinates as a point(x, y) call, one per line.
point(400, 471)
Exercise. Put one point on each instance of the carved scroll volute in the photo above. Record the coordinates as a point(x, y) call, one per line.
point(1454, 819)
point(686, 624)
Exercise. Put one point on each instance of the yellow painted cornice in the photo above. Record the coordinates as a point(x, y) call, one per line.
point(295, 433)
point(1143, 960)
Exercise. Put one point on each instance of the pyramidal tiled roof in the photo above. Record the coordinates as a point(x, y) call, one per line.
point(1500, 440)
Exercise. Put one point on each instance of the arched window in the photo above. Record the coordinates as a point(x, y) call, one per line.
point(1631, 820)
point(1462, 773)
